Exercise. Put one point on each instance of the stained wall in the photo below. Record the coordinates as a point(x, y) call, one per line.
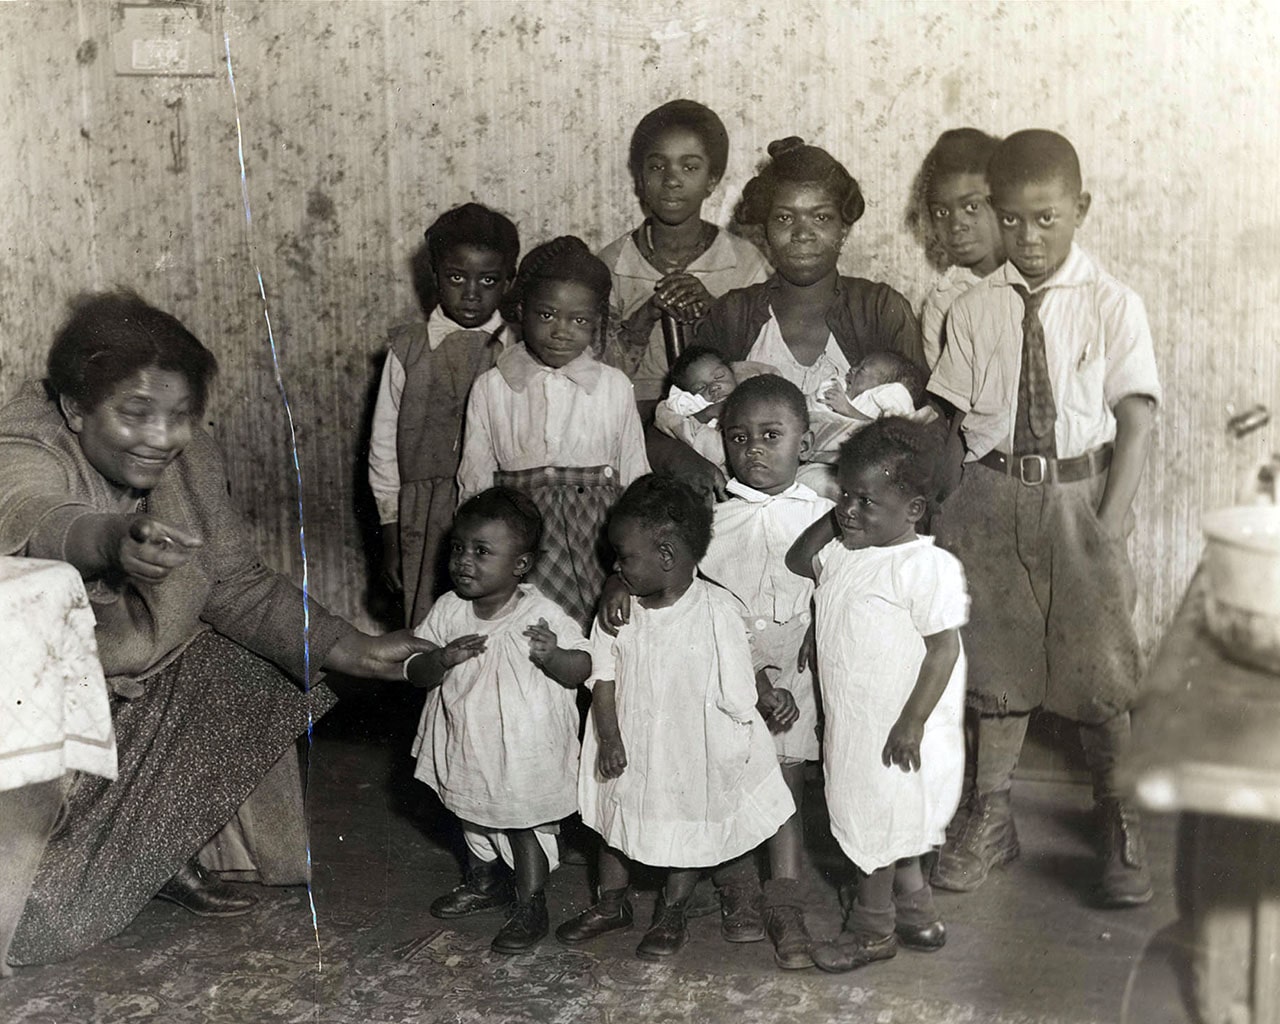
point(362, 120)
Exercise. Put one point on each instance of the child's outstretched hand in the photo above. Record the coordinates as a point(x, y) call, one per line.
point(903, 745)
point(464, 648)
point(612, 757)
point(542, 642)
point(778, 708)
point(615, 605)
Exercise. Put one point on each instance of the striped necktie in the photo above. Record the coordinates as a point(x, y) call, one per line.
point(1033, 422)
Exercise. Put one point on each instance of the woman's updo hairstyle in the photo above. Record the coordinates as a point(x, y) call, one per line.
point(111, 336)
point(684, 115)
point(566, 258)
point(792, 162)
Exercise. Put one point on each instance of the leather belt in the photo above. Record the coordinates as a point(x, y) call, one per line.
point(1034, 470)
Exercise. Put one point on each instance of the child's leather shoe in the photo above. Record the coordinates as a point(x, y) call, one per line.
point(741, 913)
point(850, 950)
point(526, 926)
point(485, 887)
point(784, 924)
point(668, 933)
point(988, 839)
point(611, 912)
point(1124, 880)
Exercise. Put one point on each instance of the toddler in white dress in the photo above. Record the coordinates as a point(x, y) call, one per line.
point(889, 610)
point(498, 738)
point(678, 770)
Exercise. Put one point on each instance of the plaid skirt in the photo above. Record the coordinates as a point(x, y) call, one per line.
point(573, 559)
point(192, 747)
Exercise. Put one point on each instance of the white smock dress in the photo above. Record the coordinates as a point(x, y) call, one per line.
point(748, 557)
point(875, 606)
point(702, 783)
point(498, 739)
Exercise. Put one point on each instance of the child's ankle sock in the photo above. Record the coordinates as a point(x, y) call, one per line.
point(610, 900)
point(783, 892)
point(872, 921)
point(916, 908)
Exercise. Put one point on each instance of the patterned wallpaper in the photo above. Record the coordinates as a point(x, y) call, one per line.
point(361, 121)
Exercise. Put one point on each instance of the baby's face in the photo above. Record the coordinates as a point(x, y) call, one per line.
point(870, 373)
point(710, 378)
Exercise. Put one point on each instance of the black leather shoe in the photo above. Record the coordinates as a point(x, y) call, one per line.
point(194, 890)
point(526, 926)
point(612, 913)
point(923, 938)
point(741, 913)
point(851, 950)
point(668, 933)
point(484, 888)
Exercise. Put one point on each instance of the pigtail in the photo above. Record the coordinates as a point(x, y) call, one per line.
point(566, 258)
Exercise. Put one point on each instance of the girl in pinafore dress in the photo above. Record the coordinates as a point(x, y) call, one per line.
point(414, 447)
point(678, 769)
point(498, 738)
point(553, 422)
point(889, 608)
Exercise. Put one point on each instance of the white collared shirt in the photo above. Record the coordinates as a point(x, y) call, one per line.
point(524, 415)
point(1097, 343)
point(748, 554)
point(384, 465)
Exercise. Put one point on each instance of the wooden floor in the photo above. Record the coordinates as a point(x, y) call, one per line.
point(1023, 950)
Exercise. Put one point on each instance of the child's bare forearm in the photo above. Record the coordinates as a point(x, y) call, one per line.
point(568, 668)
point(809, 543)
point(940, 653)
point(426, 671)
point(1135, 421)
point(604, 709)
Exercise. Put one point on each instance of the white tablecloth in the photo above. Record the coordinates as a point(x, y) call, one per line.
point(54, 711)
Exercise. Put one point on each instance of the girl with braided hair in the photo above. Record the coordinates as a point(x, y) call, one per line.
point(553, 422)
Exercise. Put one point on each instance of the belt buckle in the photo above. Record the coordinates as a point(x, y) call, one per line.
point(1042, 467)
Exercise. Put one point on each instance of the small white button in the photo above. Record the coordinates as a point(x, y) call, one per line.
point(608, 472)
point(762, 624)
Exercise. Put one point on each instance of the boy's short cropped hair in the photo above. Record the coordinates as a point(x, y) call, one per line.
point(667, 505)
point(510, 507)
point(686, 115)
point(768, 387)
point(1034, 156)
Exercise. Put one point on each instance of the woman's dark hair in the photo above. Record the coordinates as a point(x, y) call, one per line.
point(957, 151)
point(690, 358)
point(566, 258)
point(667, 506)
point(768, 387)
point(110, 336)
point(687, 115)
point(468, 224)
point(910, 452)
point(791, 162)
point(504, 505)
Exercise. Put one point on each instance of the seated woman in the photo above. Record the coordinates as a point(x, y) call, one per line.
point(107, 467)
